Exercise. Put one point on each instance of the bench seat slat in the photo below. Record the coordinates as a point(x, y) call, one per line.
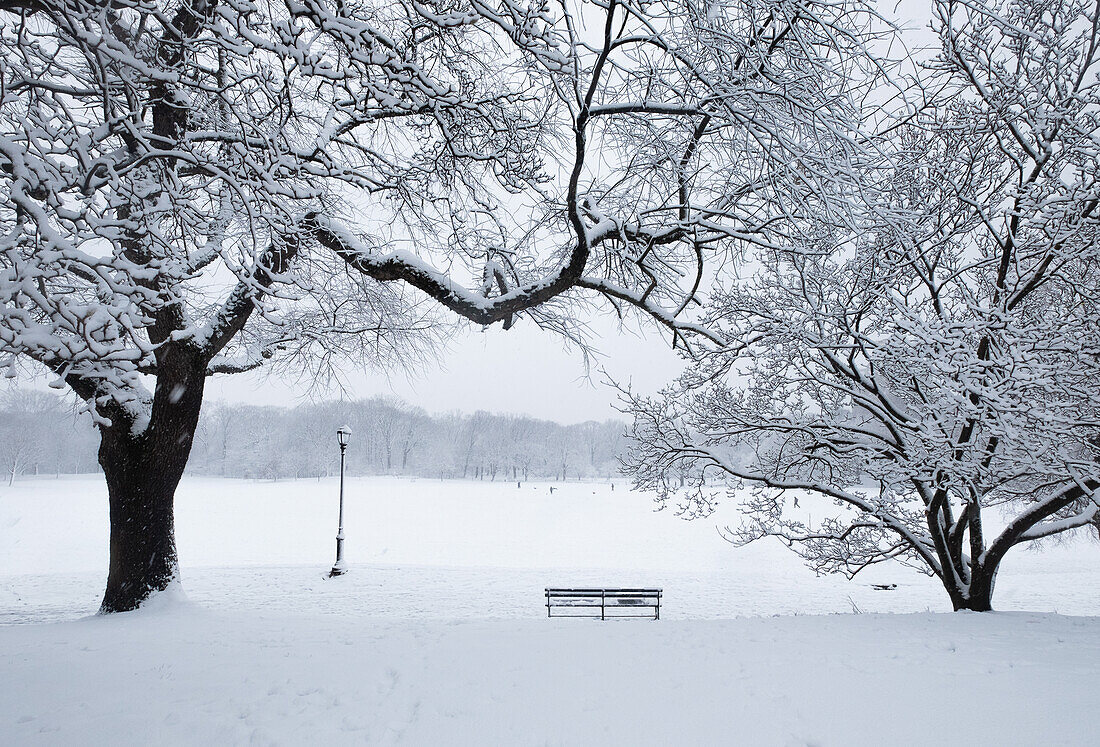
point(590, 602)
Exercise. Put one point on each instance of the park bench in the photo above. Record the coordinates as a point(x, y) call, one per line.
point(604, 602)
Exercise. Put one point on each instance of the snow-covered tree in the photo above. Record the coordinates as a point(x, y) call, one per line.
point(932, 379)
point(204, 187)
point(156, 160)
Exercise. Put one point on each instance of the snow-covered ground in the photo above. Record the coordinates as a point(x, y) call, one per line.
point(438, 634)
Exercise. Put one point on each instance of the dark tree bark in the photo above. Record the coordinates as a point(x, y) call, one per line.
point(142, 473)
point(143, 557)
point(974, 595)
point(980, 596)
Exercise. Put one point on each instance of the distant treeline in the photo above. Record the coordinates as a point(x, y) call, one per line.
point(41, 433)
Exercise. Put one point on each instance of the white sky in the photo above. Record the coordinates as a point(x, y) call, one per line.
point(521, 371)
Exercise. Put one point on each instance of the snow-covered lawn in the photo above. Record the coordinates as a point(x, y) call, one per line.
point(438, 634)
point(213, 678)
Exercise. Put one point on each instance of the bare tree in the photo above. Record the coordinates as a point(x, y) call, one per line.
point(22, 430)
point(304, 150)
point(414, 430)
point(149, 151)
point(469, 443)
point(39, 429)
point(938, 364)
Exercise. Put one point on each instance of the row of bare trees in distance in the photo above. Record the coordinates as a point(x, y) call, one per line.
point(40, 434)
point(391, 437)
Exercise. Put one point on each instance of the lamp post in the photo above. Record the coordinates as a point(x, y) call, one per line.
point(339, 568)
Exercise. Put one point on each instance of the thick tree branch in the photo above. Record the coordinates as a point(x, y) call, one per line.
point(409, 268)
point(1018, 529)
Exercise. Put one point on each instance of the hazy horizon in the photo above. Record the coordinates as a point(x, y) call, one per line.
point(521, 371)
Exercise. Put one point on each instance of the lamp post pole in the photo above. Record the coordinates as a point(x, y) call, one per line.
point(339, 568)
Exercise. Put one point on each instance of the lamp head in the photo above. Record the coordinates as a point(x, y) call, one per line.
point(342, 435)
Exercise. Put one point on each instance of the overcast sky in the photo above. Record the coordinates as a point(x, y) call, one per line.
point(522, 371)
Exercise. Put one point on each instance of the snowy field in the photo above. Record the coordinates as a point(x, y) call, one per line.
point(438, 634)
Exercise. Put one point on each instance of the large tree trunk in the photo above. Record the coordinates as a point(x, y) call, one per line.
point(143, 540)
point(980, 603)
point(977, 600)
point(976, 596)
point(979, 594)
point(143, 470)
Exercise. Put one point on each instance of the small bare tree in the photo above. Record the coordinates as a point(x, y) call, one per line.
point(940, 364)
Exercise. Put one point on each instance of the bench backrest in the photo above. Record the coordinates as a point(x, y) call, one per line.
point(606, 593)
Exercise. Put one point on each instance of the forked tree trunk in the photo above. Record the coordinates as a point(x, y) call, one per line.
point(977, 599)
point(976, 596)
point(143, 471)
point(979, 594)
